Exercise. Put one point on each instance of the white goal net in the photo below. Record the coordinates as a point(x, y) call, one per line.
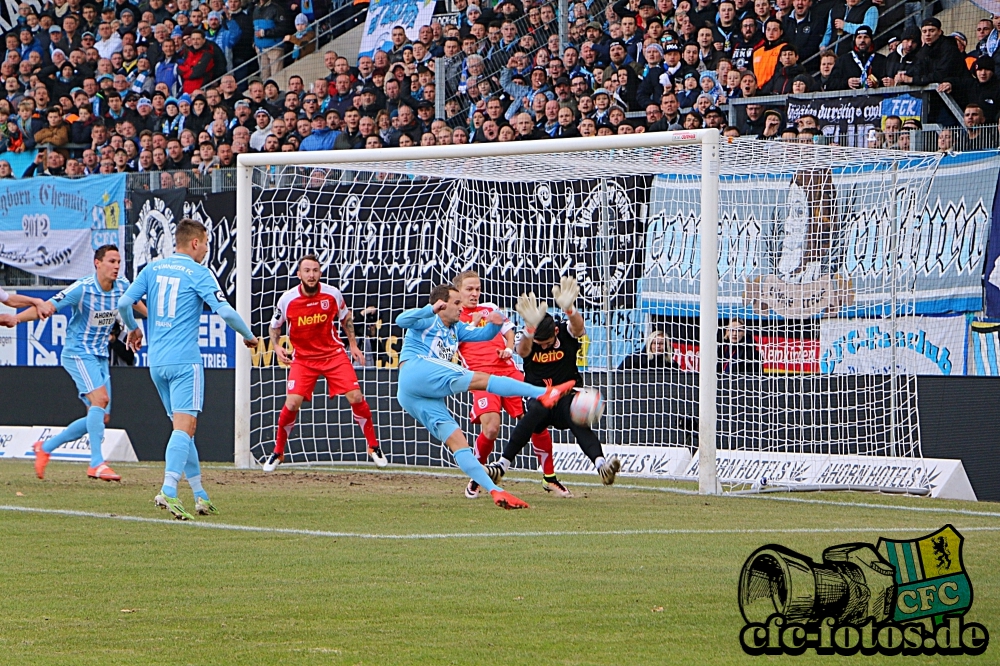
point(809, 237)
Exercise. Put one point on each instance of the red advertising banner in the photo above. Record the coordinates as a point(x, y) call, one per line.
point(779, 355)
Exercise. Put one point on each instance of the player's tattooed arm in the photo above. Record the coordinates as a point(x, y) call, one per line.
point(279, 349)
point(347, 323)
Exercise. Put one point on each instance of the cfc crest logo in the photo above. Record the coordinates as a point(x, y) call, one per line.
point(899, 597)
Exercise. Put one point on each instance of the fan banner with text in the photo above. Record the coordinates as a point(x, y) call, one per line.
point(817, 242)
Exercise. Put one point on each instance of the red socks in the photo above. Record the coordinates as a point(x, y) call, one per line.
point(484, 447)
point(286, 421)
point(363, 417)
point(541, 442)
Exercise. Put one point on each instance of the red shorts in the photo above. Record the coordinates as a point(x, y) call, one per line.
point(484, 402)
point(339, 373)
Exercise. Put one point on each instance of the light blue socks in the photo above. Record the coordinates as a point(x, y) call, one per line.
point(95, 428)
point(467, 462)
point(507, 387)
point(177, 454)
point(73, 431)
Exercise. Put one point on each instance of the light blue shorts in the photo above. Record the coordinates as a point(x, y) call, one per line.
point(423, 386)
point(89, 373)
point(181, 387)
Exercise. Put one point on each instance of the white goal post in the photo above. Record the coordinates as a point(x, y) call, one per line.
point(721, 354)
point(708, 139)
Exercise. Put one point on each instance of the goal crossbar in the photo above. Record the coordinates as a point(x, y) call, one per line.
point(709, 169)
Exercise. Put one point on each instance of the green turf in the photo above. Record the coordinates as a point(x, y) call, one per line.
point(79, 590)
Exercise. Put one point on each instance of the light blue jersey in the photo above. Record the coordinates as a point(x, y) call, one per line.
point(427, 336)
point(94, 313)
point(176, 287)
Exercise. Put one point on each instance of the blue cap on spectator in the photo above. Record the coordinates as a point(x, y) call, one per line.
point(105, 77)
point(185, 98)
point(177, 32)
point(601, 91)
point(301, 19)
point(144, 102)
point(76, 90)
point(129, 11)
point(26, 28)
point(655, 47)
point(473, 9)
point(87, 34)
point(214, 15)
point(54, 29)
point(241, 102)
point(171, 100)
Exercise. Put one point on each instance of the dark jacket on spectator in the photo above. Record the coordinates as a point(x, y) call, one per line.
point(987, 96)
point(781, 82)
point(847, 67)
point(348, 140)
point(806, 36)
point(650, 89)
point(941, 62)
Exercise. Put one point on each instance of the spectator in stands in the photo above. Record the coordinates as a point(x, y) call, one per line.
point(901, 57)
point(738, 354)
point(974, 136)
point(845, 19)
point(804, 28)
point(303, 40)
point(270, 27)
point(658, 353)
point(765, 58)
point(938, 61)
point(788, 68)
point(985, 90)
point(862, 67)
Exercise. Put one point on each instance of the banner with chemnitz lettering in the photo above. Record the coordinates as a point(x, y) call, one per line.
point(51, 226)
point(818, 241)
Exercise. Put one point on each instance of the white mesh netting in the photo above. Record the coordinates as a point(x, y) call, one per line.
point(808, 235)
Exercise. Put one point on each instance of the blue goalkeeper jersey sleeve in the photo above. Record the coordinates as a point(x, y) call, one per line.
point(176, 289)
point(93, 313)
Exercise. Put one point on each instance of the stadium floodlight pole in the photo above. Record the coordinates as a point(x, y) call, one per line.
point(707, 138)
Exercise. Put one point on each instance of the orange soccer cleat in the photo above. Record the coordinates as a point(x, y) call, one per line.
point(553, 394)
point(41, 459)
point(505, 500)
point(103, 472)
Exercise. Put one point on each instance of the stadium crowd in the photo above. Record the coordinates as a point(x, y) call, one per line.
point(119, 87)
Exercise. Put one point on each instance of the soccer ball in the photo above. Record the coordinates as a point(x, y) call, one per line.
point(587, 407)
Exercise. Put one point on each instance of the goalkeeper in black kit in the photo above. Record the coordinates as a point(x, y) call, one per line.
point(549, 349)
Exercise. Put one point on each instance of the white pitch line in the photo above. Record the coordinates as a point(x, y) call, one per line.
point(480, 535)
point(685, 491)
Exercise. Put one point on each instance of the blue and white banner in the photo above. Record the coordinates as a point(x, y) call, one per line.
point(817, 241)
point(51, 226)
point(914, 345)
point(983, 355)
point(384, 15)
point(41, 343)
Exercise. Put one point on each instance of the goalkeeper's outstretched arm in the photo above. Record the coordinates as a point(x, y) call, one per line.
point(565, 294)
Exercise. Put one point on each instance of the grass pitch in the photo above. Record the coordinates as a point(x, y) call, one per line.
point(399, 568)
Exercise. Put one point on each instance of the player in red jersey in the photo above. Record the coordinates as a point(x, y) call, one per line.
point(496, 358)
point(311, 311)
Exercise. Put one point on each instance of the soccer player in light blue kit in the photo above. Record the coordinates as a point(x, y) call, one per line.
point(94, 301)
point(427, 375)
point(176, 289)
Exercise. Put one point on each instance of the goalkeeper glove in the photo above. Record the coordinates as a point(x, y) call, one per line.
point(565, 294)
point(531, 311)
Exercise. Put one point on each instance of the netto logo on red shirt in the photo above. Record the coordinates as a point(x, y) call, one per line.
point(310, 320)
point(548, 357)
